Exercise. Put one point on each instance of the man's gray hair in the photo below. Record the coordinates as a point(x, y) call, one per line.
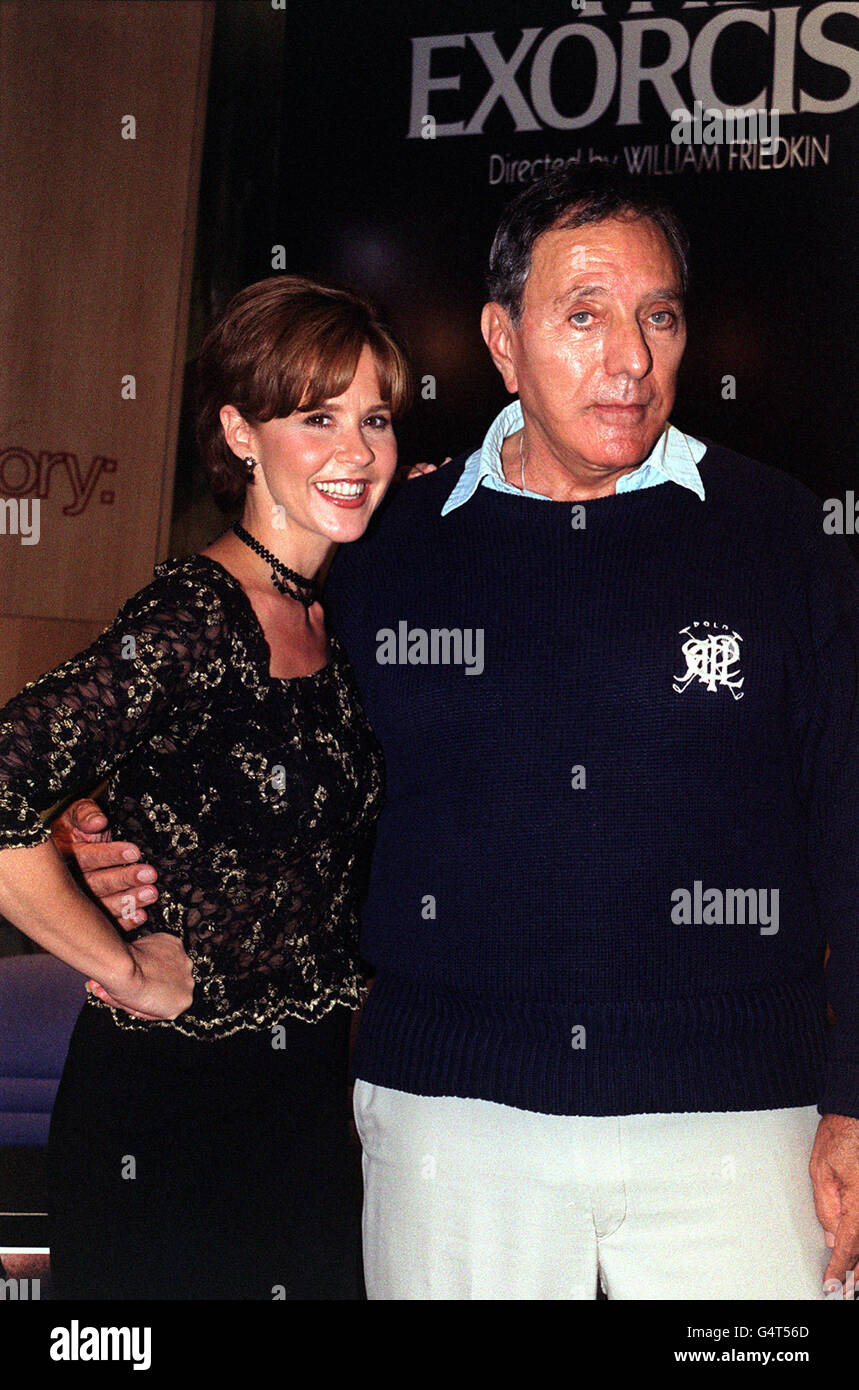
point(569, 198)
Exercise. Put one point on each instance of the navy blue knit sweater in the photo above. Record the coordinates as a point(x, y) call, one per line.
point(560, 912)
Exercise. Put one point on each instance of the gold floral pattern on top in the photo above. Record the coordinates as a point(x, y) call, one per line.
point(255, 798)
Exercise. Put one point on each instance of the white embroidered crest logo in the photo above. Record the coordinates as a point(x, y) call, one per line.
point(712, 654)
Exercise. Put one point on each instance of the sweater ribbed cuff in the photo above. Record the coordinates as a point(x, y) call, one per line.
point(841, 1091)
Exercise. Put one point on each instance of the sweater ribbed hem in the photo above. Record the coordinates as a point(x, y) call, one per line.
point(761, 1048)
point(841, 1091)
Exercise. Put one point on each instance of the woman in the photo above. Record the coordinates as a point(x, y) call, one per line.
point(199, 1139)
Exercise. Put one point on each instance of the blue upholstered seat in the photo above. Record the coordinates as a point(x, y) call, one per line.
point(40, 999)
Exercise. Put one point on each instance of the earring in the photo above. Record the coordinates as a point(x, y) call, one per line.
point(250, 464)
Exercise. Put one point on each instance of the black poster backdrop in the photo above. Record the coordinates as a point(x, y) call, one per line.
point(407, 126)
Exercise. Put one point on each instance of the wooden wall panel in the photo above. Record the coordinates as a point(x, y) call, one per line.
point(31, 646)
point(96, 246)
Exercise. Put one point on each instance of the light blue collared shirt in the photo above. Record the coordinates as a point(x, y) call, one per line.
point(674, 458)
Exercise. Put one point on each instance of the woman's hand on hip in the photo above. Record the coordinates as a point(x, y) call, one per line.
point(161, 985)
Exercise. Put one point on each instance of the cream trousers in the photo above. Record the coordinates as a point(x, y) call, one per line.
point(466, 1199)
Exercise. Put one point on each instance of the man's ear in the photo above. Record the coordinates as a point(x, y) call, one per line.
point(498, 334)
point(237, 431)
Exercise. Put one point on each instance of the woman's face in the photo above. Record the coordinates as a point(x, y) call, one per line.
point(326, 470)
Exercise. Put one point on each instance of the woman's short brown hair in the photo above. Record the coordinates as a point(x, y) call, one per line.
point(282, 344)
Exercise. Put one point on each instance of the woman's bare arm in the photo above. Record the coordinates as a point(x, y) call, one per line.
point(151, 978)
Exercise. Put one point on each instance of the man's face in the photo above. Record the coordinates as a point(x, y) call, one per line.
point(595, 355)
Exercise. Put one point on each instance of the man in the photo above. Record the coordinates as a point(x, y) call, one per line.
point(614, 672)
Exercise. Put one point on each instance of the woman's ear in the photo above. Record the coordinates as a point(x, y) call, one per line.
point(237, 431)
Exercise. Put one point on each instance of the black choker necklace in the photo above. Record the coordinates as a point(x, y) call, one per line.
point(285, 580)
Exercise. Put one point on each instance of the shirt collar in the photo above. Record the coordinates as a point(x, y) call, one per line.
point(674, 458)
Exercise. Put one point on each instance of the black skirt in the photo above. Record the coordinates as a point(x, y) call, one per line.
point(187, 1169)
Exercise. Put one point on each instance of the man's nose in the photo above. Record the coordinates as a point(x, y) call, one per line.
point(627, 352)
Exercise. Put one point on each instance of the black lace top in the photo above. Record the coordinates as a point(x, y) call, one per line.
point(254, 798)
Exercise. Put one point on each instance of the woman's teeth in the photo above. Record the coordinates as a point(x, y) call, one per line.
point(341, 489)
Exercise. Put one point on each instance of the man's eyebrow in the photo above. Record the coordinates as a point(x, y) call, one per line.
point(591, 291)
point(582, 290)
point(666, 292)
